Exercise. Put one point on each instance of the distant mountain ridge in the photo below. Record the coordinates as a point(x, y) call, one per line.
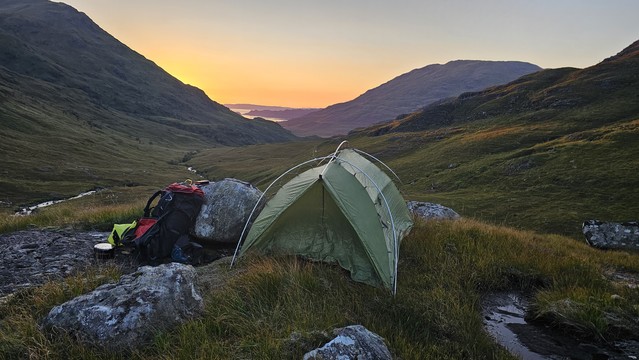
point(407, 93)
point(553, 148)
point(548, 92)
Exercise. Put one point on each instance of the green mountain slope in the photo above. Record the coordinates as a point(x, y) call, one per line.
point(547, 151)
point(407, 93)
point(80, 109)
point(594, 96)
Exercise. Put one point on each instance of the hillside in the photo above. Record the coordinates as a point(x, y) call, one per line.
point(407, 93)
point(547, 151)
point(609, 86)
point(83, 109)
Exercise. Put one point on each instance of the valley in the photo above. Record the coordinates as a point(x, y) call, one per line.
point(525, 155)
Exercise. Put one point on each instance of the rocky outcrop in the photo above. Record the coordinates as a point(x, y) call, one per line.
point(32, 257)
point(227, 206)
point(431, 211)
point(127, 314)
point(352, 342)
point(611, 235)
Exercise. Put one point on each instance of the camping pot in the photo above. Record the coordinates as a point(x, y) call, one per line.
point(103, 251)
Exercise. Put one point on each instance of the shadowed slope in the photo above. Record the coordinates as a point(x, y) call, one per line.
point(80, 109)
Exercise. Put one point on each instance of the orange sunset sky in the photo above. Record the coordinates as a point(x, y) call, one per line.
point(316, 53)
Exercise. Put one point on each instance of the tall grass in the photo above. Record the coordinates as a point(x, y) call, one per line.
point(445, 269)
point(20, 334)
point(95, 212)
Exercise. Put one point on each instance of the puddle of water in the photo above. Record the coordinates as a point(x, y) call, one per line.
point(502, 310)
point(504, 320)
point(30, 209)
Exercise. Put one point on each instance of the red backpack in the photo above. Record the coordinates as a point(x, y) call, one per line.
point(168, 222)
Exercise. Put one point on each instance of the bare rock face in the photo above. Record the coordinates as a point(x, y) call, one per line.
point(227, 206)
point(32, 257)
point(126, 315)
point(432, 211)
point(611, 235)
point(352, 342)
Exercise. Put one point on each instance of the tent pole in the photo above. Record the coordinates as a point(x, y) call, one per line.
point(379, 161)
point(333, 156)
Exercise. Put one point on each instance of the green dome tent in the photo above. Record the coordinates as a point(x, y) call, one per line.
point(346, 211)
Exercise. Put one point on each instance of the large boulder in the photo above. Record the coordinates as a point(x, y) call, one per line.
point(124, 315)
point(611, 235)
point(352, 342)
point(227, 206)
point(432, 211)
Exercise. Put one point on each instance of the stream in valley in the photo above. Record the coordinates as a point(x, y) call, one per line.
point(28, 210)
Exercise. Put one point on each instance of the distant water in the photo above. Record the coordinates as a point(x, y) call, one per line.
point(243, 112)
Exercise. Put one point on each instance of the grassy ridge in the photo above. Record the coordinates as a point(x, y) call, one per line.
point(542, 177)
point(444, 270)
point(519, 175)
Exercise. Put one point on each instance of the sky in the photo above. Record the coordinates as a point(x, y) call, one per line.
point(314, 53)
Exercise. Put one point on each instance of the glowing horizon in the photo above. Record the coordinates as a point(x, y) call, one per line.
point(315, 54)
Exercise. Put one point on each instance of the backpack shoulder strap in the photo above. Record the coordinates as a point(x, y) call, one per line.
point(147, 208)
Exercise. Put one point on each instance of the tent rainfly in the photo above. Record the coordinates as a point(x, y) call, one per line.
point(346, 211)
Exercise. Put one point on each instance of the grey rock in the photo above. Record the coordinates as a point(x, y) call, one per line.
point(301, 342)
point(352, 342)
point(32, 257)
point(227, 206)
point(432, 211)
point(611, 235)
point(125, 315)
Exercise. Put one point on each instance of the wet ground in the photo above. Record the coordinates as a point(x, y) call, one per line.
point(504, 320)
